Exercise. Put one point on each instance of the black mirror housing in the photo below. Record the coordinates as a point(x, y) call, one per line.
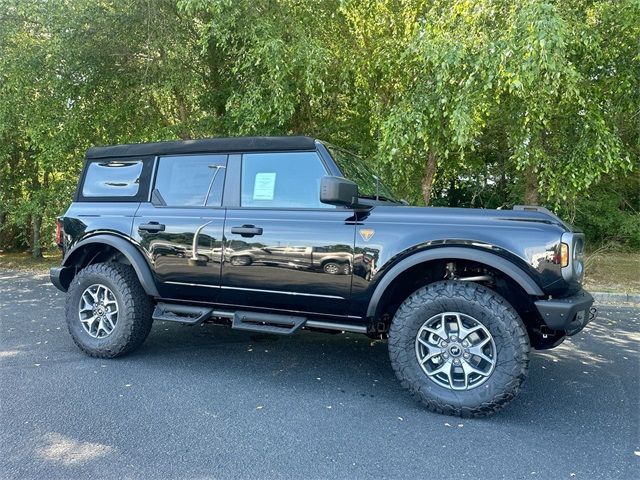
point(338, 191)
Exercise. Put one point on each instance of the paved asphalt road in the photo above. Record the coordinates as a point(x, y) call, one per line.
point(211, 402)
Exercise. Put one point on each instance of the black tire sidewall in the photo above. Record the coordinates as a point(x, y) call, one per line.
point(500, 319)
point(112, 344)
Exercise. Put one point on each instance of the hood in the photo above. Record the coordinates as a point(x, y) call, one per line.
point(470, 216)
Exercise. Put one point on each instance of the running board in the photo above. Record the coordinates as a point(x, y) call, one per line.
point(252, 321)
point(267, 322)
point(181, 313)
point(339, 327)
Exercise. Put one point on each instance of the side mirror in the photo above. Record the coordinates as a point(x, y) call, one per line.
point(338, 191)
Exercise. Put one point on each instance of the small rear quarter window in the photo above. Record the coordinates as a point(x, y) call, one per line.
point(113, 178)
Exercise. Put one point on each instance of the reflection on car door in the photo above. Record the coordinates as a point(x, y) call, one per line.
point(283, 249)
point(181, 229)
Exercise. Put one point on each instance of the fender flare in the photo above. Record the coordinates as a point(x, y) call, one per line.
point(459, 253)
point(129, 250)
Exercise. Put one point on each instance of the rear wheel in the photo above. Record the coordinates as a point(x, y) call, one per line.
point(459, 348)
point(108, 312)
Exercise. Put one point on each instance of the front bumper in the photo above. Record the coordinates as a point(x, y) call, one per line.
point(570, 314)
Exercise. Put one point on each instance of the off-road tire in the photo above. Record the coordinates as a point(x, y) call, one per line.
point(134, 310)
point(487, 307)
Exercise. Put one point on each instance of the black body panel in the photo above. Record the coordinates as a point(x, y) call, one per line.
point(179, 270)
point(300, 262)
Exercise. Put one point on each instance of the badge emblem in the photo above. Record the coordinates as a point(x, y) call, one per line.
point(366, 234)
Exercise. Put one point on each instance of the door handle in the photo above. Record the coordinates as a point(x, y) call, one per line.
point(247, 230)
point(152, 227)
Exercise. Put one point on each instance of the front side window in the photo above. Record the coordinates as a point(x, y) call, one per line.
point(282, 180)
point(191, 180)
point(112, 178)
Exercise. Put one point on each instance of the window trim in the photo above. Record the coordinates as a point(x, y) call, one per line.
point(156, 168)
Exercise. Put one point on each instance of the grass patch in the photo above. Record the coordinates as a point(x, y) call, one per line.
point(24, 261)
point(613, 272)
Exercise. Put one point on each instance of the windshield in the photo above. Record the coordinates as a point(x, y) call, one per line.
point(355, 169)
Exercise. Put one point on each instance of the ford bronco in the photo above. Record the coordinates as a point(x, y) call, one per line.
point(280, 234)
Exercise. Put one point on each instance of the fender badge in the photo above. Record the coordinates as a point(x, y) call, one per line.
point(366, 233)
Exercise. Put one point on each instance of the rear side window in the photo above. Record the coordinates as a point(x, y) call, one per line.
point(191, 180)
point(115, 179)
point(282, 180)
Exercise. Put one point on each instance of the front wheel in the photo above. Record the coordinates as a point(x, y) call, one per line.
point(108, 312)
point(459, 348)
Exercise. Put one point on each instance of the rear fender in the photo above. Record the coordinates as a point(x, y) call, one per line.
point(125, 247)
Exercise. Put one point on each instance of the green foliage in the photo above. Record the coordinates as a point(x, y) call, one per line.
point(610, 216)
point(480, 103)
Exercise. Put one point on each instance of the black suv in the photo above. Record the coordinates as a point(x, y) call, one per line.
point(278, 234)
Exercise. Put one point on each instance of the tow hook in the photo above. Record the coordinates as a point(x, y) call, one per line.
point(546, 331)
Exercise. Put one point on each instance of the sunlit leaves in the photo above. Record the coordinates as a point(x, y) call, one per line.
point(495, 91)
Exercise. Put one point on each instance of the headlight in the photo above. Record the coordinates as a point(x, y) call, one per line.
point(564, 255)
point(572, 256)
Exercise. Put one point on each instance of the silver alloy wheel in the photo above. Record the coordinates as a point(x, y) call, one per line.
point(332, 268)
point(456, 351)
point(98, 311)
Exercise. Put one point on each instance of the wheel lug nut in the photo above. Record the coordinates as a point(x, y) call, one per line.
point(466, 355)
point(456, 361)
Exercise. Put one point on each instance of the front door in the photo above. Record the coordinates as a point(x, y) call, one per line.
point(181, 228)
point(283, 249)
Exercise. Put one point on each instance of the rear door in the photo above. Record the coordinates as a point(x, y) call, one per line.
point(181, 227)
point(284, 250)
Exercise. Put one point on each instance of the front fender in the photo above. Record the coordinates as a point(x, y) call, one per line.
point(501, 264)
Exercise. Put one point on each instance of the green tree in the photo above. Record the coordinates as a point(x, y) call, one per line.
point(471, 103)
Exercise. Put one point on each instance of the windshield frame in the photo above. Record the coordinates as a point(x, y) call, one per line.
point(369, 183)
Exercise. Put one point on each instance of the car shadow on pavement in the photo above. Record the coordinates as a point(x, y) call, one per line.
point(559, 380)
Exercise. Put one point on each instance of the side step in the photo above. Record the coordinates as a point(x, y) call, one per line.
point(181, 313)
point(267, 322)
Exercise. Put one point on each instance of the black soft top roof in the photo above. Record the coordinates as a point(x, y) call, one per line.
point(209, 145)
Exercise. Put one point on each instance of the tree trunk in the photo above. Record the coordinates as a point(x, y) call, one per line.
point(36, 248)
point(183, 115)
point(3, 217)
point(429, 176)
point(531, 196)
